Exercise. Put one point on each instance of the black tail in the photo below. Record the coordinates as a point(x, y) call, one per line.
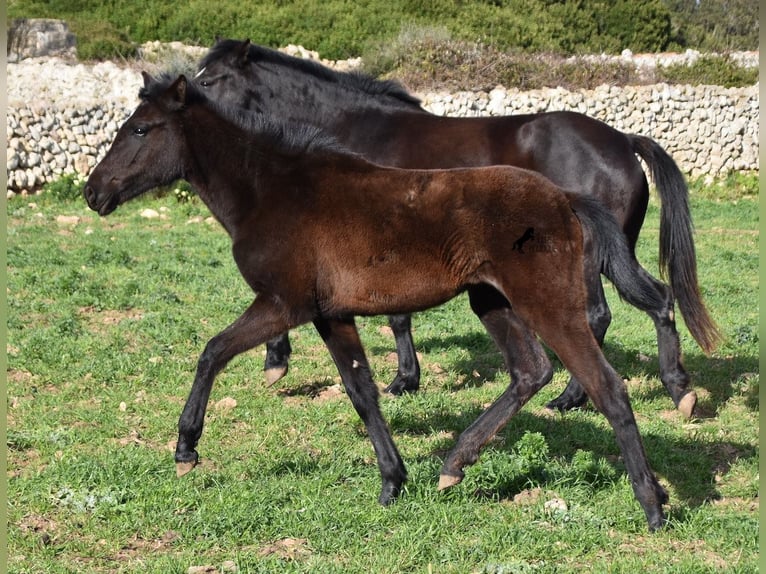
point(678, 260)
point(608, 244)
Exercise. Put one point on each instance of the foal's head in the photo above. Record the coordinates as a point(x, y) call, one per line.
point(148, 151)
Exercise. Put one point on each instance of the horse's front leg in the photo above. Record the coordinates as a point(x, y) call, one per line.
point(407, 378)
point(260, 322)
point(529, 368)
point(342, 340)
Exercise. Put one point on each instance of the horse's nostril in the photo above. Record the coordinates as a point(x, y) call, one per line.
point(89, 194)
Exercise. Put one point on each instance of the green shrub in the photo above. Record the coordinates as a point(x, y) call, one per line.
point(710, 70)
point(341, 29)
point(67, 188)
point(424, 58)
point(101, 40)
point(735, 186)
point(437, 43)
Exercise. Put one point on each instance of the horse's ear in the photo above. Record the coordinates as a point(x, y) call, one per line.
point(180, 89)
point(243, 52)
point(147, 79)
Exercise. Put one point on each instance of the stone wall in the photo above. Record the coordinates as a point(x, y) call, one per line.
point(62, 117)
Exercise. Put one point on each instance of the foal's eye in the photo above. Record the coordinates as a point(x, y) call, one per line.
point(140, 131)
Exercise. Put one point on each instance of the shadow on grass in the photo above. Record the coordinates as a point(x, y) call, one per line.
point(689, 465)
point(719, 376)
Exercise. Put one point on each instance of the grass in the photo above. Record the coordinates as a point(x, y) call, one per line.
point(108, 316)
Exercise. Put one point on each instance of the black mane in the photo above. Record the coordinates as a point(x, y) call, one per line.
point(290, 137)
point(355, 80)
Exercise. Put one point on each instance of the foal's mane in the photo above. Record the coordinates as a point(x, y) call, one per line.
point(355, 80)
point(290, 138)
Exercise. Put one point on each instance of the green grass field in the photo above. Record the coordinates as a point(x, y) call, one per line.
point(107, 318)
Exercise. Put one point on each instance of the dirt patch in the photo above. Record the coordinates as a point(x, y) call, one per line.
point(287, 549)
point(42, 527)
point(736, 503)
point(138, 547)
point(318, 390)
point(110, 316)
point(528, 497)
point(18, 376)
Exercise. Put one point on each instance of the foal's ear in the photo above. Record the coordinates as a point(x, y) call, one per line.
point(176, 93)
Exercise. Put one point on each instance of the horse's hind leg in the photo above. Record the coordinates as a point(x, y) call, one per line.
point(277, 356)
point(529, 367)
point(599, 318)
point(407, 378)
point(581, 355)
point(672, 373)
point(342, 340)
point(261, 321)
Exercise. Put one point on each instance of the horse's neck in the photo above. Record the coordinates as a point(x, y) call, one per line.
point(303, 97)
point(224, 176)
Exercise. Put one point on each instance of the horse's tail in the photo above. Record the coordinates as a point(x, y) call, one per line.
point(607, 243)
point(678, 260)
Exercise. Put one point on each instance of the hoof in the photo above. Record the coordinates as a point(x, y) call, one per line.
point(184, 468)
point(388, 494)
point(274, 374)
point(402, 385)
point(687, 403)
point(658, 524)
point(564, 404)
point(448, 481)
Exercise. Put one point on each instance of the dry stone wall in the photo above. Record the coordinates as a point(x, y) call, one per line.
point(62, 117)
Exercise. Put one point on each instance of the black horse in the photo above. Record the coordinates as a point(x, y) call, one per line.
point(305, 222)
point(380, 120)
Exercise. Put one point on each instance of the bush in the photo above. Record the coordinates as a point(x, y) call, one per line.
point(710, 70)
point(101, 39)
point(427, 58)
point(67, 188)
point(341, 29)
point(438, 44)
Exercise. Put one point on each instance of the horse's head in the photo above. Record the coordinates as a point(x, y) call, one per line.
point(226, 74)
point(148, 151)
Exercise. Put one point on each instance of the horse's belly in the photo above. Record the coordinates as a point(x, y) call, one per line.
point(390, 289)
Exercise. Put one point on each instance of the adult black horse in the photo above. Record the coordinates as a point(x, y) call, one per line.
point(384, 123)
point(304, 218)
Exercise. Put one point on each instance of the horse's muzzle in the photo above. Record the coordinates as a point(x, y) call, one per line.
point(103, 205)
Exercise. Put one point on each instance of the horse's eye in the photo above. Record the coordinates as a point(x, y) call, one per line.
point(205, 83)
point(140, 131)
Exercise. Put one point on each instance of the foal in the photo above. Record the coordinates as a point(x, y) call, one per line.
point(305, 222)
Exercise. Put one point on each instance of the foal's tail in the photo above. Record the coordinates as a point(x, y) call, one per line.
point(608, 244)
point(678, 260)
